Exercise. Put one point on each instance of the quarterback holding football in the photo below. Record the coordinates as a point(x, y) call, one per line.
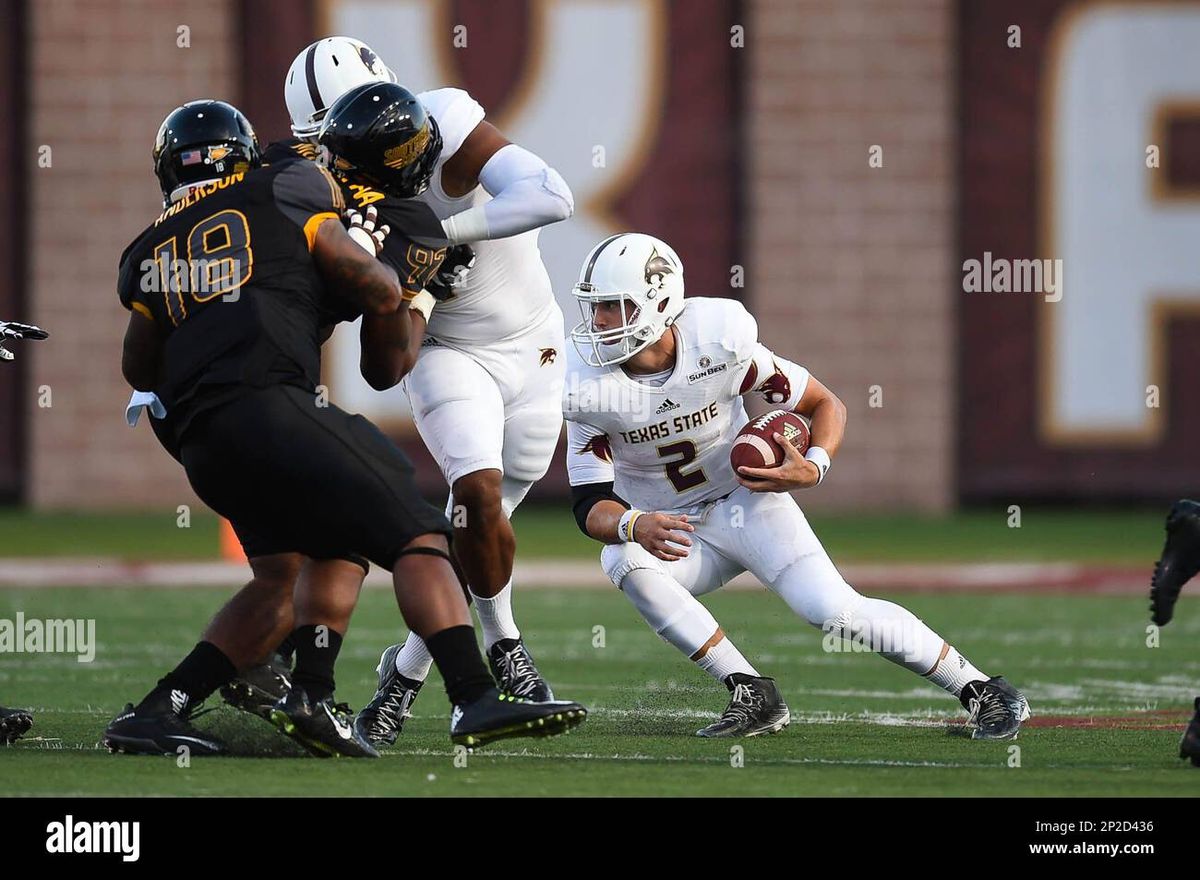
point(655, 404)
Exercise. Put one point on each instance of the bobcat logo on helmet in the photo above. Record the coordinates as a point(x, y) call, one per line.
point(658, 268)
point(370, 60)
point(548, 356)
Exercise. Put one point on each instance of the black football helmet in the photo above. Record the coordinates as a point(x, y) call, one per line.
point(381, 133)
point(203, 140)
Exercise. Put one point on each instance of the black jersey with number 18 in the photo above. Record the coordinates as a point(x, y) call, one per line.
point(227, 276)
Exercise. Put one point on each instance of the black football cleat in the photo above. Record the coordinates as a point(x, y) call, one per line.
point(14, 723)
point(755, 707)
point(497, 715)
point(163, 729)
point(382, 719)
point(323, 728)
point(1179, 562)
point(259, 688)
point(515, 674)
point(1189, 746)
point(996, 708)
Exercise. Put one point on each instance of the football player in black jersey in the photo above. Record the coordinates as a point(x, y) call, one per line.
point(226, 292)
point(268, 596)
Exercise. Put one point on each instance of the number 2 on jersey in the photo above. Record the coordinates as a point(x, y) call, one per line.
point(682, 480)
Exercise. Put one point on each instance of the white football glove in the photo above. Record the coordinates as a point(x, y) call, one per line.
point(361, 228)
point(13, 330)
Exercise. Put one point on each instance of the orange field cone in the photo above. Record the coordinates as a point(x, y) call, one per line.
point(231, 547)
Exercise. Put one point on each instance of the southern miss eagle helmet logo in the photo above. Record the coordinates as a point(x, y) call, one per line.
point(658, 268)
point(404, 154)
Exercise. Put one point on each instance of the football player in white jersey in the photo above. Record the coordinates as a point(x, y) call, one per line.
point(486, 390)
point(654, 401)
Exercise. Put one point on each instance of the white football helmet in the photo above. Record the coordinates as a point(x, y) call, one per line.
point(324, 72)
point(643, 274)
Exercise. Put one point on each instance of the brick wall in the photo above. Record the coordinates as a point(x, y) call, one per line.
point(103, 77)
point(851, 265)
point(849, 268)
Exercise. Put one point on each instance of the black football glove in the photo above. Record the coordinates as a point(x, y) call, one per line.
point(459, 261)
point(13, 330)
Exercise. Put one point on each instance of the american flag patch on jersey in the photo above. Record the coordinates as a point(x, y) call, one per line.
point(190, 157)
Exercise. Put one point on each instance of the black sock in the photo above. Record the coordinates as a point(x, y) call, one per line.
point(286, 649)
point(457, 656)
point(200, 673)
point(317, 649)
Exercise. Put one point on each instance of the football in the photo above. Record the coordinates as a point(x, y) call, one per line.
point(756, 446)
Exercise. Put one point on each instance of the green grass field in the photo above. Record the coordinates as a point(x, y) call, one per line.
point(1108, 710)
point(1095, 536)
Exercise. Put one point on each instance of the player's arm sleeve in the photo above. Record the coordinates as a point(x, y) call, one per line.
point(590, 470)
point(527, 194)
point(308, 195)
point(778, 381)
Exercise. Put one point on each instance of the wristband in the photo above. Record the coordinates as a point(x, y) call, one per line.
point(820, 458)
point(625, 527)
point(466, 226)
point(422, 303)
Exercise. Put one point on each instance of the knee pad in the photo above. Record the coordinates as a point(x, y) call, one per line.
point(618, 560)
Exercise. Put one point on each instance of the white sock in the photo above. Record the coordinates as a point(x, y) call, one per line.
point(496, 616)
point(954, 671)
point(414, 658)
point(723, 659)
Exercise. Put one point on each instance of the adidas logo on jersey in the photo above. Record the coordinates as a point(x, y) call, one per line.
point(667, 406)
